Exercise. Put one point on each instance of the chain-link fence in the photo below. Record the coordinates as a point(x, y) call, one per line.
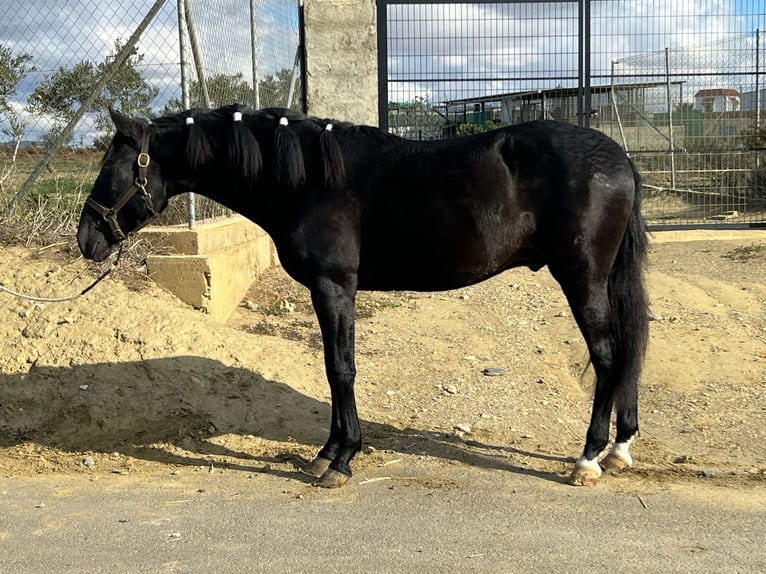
point(63, 63)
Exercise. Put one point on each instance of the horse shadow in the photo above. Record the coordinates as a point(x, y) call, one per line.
point(138, 408)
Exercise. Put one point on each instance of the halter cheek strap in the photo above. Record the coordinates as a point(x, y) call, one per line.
point(138, 187)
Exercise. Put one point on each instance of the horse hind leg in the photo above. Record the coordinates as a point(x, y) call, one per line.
point(613, 322)
point(592, 315)
point(618, 458)
point(587, 468)
point(629, 310)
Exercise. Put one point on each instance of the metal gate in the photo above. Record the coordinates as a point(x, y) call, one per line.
point(680, 88)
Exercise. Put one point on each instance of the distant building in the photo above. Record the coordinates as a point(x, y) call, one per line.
point(632, 101)
point(748, 101)
point(717, 100)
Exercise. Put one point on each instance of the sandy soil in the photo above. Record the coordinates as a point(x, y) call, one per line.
point(128, 380)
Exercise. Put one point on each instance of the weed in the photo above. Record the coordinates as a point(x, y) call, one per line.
point(746, 253)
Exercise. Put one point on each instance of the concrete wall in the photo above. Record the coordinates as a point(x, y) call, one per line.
point(342, 60)
point(211, 266)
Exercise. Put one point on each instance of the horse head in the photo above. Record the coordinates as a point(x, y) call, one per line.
point(128, 192)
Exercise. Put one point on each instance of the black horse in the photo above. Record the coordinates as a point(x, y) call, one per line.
point(353, 208)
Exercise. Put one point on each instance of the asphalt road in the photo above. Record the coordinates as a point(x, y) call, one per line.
point(463, 520)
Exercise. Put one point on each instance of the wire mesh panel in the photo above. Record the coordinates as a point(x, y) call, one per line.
point(445, 59)
point(54, 56)
point(678, 84)
point(696, 135)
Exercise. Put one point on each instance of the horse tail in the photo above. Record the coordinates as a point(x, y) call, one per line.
point(629, 303)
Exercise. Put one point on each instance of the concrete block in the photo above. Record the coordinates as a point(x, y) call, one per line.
point(212, 265)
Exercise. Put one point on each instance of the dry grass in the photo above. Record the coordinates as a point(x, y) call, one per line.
point(49, 211)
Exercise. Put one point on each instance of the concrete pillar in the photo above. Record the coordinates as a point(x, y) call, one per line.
point(211, 266)
point(342, 60)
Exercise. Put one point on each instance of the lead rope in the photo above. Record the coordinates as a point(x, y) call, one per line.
point(71, 297)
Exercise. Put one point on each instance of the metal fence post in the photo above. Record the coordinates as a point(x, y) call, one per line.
point(196, 54)
point(382, 17)
point(616, 111)
point(586, 73)
point(757, 173)
point(670, 121)
point(254, 54)
point(757, 79)
point(183, 36)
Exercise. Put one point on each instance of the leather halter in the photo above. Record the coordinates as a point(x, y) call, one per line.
point(139, 186)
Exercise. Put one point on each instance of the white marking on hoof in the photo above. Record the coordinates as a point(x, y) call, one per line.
point(586, 472)
point(618, 457)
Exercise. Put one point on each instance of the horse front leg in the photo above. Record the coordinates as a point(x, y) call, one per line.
point(334, 307)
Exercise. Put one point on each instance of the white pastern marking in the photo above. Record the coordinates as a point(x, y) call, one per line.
point(620, 450)
point(590, 464)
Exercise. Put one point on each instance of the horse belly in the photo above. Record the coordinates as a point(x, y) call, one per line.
point(444, 234)
point(437, 264)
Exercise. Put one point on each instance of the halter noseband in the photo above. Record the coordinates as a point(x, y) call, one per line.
point(139, 186)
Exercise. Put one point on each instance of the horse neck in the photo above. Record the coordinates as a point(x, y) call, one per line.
point(256, 201)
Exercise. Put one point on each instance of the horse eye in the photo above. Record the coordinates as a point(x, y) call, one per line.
point(99, 224)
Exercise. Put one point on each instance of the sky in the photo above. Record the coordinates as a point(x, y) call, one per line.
point(63, 33)
point(435, 51)
point(517, 47)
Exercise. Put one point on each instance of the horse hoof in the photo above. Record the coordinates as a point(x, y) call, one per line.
point(331, 479)
point(614, 462)
point(583, 477)
point(586, 472)
point(317, 467)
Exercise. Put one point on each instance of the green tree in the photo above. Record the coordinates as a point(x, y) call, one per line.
point(222, 89)
point(60, 94)
point(225, 89)
point(754, 140)
point(13, 68)
point(417, 116)
point(127, 90)
point(275, 89)
point(469, 129)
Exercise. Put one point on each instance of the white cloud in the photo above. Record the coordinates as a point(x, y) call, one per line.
point(408, 92)
point(436, 51)
point(61, 34)
point(466, 50)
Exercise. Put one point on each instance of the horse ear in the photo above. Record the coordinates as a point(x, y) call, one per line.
point(134, 129)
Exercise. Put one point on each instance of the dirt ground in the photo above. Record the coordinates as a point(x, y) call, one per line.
point(128, 380)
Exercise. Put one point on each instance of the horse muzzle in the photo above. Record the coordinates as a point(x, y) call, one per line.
point(92, 242)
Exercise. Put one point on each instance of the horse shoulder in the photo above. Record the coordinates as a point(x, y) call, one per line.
point(322, 241)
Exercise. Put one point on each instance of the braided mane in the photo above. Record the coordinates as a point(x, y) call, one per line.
point(233, 132)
